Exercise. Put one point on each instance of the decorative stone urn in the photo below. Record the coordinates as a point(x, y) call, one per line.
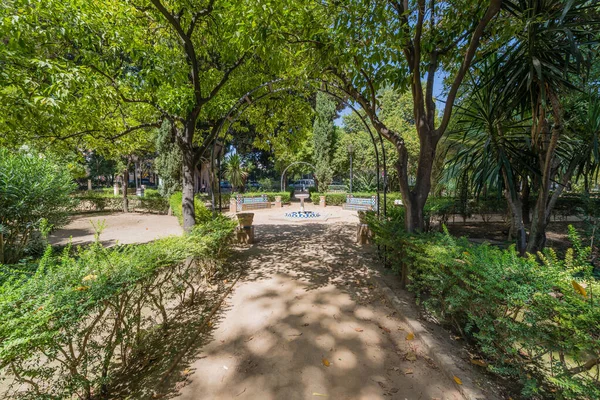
point(363, 234)
point(322, 201)
point(362, 217)
point(278, 201)
point(245, 219)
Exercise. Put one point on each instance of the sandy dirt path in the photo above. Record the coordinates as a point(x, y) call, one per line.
point(122, 228)
point(304, 323)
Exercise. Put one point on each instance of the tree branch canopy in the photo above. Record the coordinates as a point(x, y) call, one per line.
point(491, 12)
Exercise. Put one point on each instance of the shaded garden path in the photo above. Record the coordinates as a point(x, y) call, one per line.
point(304, 302)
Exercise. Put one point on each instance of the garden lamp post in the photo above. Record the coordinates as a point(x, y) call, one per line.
point(350, 151)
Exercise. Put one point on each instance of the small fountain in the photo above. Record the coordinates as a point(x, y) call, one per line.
point(302, 214)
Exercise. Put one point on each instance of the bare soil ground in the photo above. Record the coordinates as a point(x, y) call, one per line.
point(305, 323)
point(122, 228)
point(497, 232)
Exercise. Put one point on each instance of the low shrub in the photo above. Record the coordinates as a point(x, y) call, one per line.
point(69, 327)
point(268, 185)
point(285, 196)
point(90, 202)
point(338, 199)
point(337, 189)
point(34, 190)
point(203, 214)
point(534, 321)
point(152, 194)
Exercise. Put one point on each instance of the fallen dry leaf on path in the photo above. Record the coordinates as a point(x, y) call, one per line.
point(579, 288)
point(320, 395)
point(384, 329)
point(249, 339)
point(480, 363)
point(408, 371)
point(410, 336)
point(325, 362)
point(457, 380)
point(358, 329)
point(411, 356)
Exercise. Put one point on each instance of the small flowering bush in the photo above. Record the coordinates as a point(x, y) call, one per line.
point(535, 319)
point(68, 326)
point(34, 192)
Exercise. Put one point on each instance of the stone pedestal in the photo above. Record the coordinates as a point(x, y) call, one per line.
point(232, 204)
point(245, 234)
point(364, 234)
point(322, 201)
point(278, 202)
point(89, 184)
point(116, 189)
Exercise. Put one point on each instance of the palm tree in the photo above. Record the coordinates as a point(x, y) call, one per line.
point(235, 172)
point(511, 129)
point(541, 65)
point(488, 144)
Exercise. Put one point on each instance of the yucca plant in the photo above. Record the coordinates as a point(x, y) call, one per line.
point(553, 45)
point(511, 128)
point(489, 144)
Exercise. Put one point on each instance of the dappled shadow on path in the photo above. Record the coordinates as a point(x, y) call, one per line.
point(306, 322)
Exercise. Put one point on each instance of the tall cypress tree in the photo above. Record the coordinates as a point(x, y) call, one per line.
point(324, 140)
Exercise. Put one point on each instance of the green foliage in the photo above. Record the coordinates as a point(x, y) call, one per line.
point(235, 172)
point(324, 137)
point(268, 184)
point(85, 203)
point(534, 322)
point(285, 196)
point(32, 189)
point(99, 167)
point(105, 200)
point(168, 160)
point(365, 181)
point(203, 214)
point(101, 303)
point(338, 199)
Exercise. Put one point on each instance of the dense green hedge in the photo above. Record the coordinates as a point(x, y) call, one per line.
point(203, 214)
point(87, 203)
point(285, 196)
point(69, 327)
point(338, 199)
point(536, 322)
point(225, 197)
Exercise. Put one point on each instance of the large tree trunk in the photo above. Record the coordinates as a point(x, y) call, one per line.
point(414, 199)
point(516, 215)
point(541, 212)
point(189, 219)
point(187, 206)
point(124, 189)
point(525, 201)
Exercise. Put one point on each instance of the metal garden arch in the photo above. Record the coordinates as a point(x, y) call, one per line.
point(294, 163)
point(254, 96)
